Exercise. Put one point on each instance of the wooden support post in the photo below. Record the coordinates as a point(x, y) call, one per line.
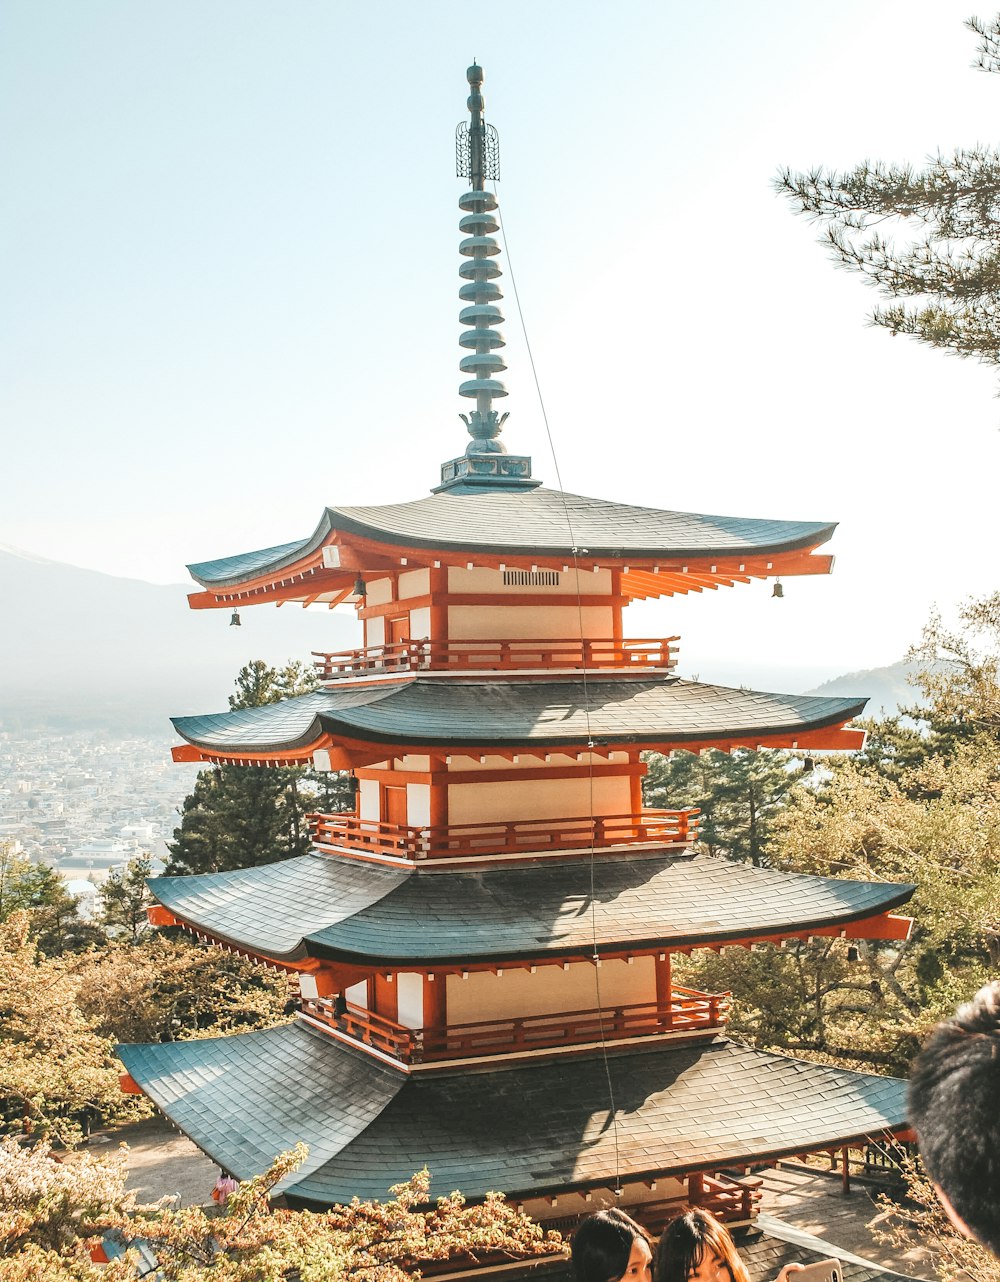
point(616, 609)
point(846, 1171)
point(435, 1005)
point(439, 603)
point(386, 999)
point(635, 786)
point(438, 788)
point(696, 1188)
point(663, 991)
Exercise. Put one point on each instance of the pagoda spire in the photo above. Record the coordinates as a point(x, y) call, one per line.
point(486, 461)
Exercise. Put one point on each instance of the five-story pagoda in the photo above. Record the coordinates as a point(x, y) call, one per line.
point(484, 944)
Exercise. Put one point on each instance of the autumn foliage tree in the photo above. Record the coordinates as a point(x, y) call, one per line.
point(57, 1074)
point(52, 1212)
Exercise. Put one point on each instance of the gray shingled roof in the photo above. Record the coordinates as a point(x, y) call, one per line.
point(530, 522)
point(456, 713)
point(522, 1128)
point(327, 906)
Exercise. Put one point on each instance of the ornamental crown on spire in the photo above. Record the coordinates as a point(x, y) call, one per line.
point(485, 461)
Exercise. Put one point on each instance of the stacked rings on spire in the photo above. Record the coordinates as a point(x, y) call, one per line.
point(481, 293)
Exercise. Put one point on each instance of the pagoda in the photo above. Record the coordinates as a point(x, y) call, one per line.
point(483, 945)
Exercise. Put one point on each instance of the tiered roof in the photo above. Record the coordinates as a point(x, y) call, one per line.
point(413, 713)
point(321, 906)
point(686, 1100)
point(661, 551)
point(706, 1106)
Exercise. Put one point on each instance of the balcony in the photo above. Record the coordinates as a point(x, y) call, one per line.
point(657, 655)
point(524, 836)
point(687, 1011)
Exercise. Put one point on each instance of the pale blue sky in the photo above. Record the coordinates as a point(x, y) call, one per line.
point(229, 235)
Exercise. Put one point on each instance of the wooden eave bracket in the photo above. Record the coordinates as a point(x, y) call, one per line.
point(157, 915)
point(348, 754)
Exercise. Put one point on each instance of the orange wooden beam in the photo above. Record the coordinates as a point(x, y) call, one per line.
point(347, 754)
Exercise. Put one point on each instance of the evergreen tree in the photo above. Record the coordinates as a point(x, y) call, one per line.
point(54, 919)
point(124, 898)
point(930, 236)
point(739, 795)
point(241, 816)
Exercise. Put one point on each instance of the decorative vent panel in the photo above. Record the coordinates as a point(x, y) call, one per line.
point(530, 578)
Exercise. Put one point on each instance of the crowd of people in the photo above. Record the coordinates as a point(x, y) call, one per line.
point(954, 1106)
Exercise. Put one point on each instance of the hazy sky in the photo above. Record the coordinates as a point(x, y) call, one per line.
point(230, 238)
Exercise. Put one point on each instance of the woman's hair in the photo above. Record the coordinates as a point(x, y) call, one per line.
point(685, 1243)
point(602, 1244)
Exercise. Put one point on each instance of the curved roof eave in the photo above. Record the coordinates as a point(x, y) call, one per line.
point(369, 1125)
point(363, 914)
point(399, 525)
point(477, 714)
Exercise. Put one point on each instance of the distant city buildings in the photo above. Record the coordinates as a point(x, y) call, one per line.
point(86, 807)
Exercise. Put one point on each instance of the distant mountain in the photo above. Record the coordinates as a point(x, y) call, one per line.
point(887, 689)
point(79, 648)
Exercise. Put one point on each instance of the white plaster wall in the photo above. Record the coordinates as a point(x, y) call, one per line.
point(307, 986)
point(528, 798)
point(483, 580)
point(378, 591)
point(418, 804)
point(414, 583)
point(412, 761)
point(420, 623)
point(357, 994)
point(526, 762)
point(410, 996)
point(375, 631)
point(550, 990)
point(487, 622)
point(368, 798)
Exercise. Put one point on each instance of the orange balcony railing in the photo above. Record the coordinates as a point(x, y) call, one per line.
point(686, 1011)
point(497, 656)
point(407, 841)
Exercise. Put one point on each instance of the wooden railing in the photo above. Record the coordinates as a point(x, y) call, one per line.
point(686, 1011)
point(497, 656)
point(408, 841)
point(730, 1200)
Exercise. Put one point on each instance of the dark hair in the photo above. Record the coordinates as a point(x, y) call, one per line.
point(602, 1244)
point(685, 1242)
point(954, 1104)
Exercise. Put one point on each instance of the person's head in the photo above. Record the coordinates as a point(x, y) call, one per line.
point(697, 1248)
point(609, 1246)
point(954, 1106)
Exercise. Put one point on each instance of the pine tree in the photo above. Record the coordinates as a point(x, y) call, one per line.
point(739, 795)
point(124, 898)
point(241, 816)
point(930, 236)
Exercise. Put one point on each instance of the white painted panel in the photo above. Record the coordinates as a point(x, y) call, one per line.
point(414, 583)
point(550, 990)
point(368, 799)
point(488, 622)
point(410, 996)
point(418, 804)
point(529, 798)
point(420, 623)
point(375, 631)
point(357, 994)
point(483, 580)
point(378, 591)
point(307, 986)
